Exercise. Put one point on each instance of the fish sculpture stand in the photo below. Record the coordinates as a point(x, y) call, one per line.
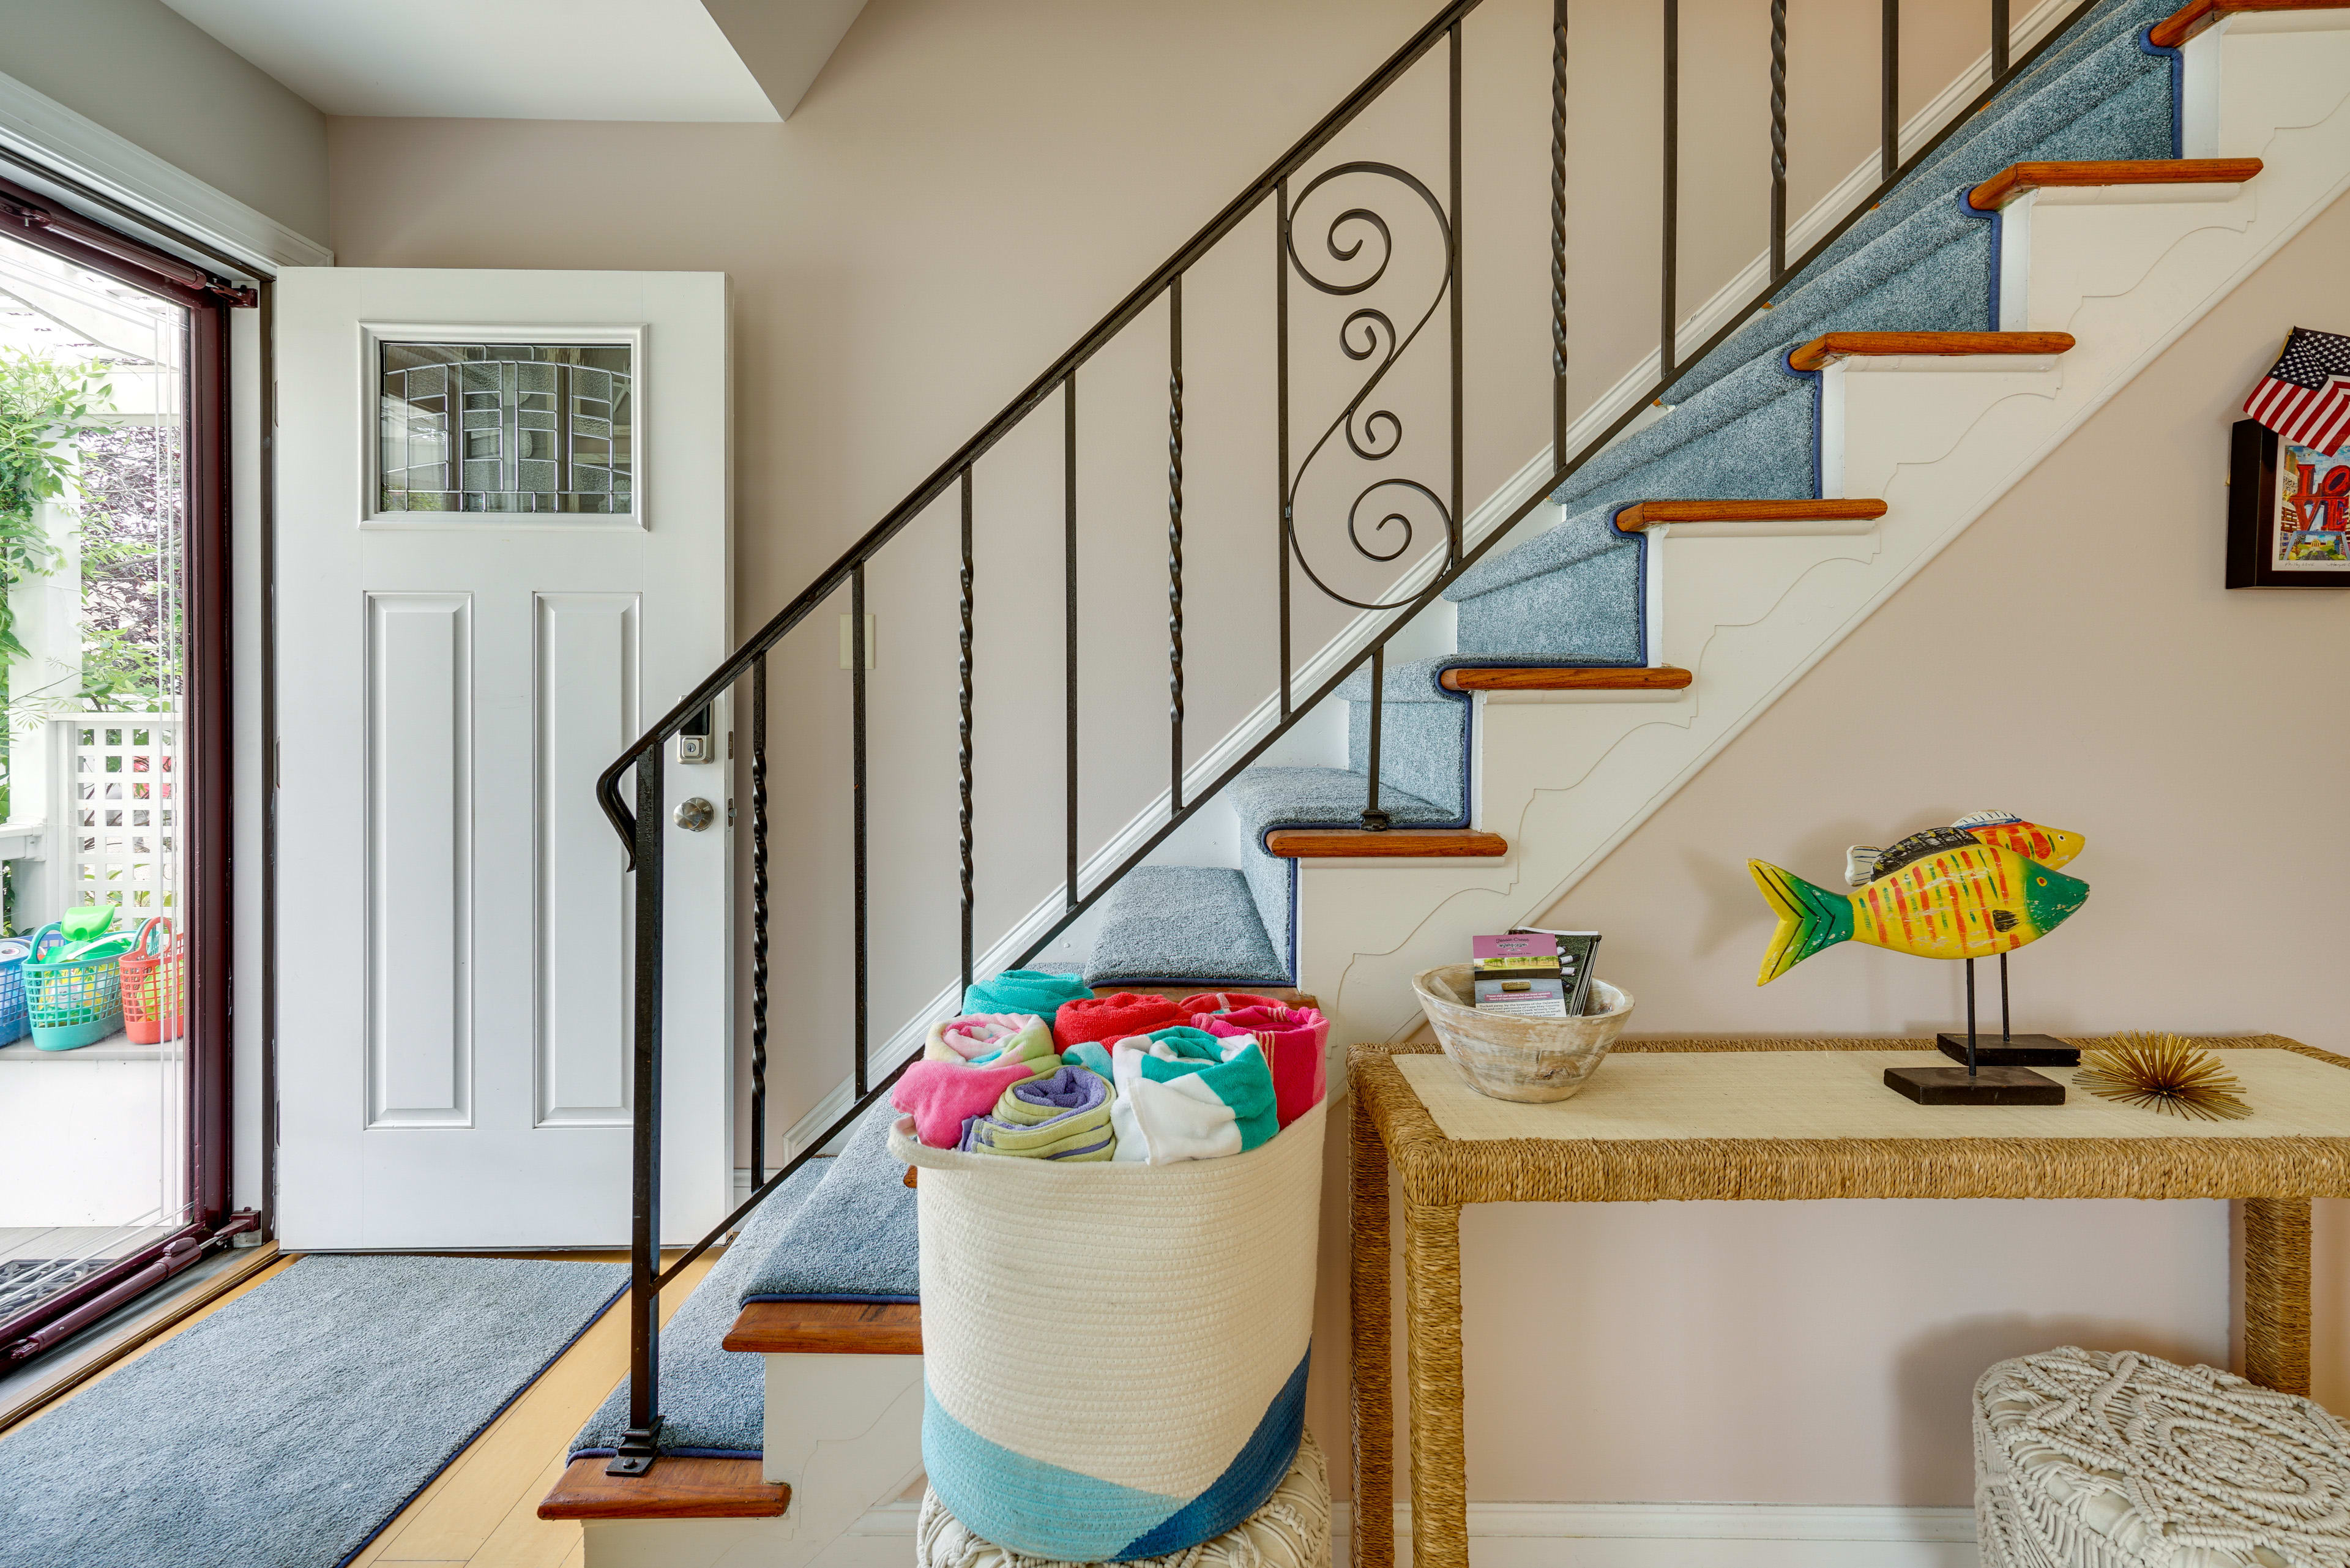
point(1974, 890)
point(2051, 846)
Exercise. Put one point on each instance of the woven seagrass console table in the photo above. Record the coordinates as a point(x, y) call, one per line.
point(1778, 1119)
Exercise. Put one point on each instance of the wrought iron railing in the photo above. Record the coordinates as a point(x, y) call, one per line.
point(1368, 335)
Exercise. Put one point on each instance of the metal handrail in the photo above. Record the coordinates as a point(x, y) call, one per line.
point(642, 829)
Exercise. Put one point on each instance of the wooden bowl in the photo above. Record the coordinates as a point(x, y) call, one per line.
point(1519, 1058)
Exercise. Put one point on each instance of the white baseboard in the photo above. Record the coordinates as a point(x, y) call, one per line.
point(1698, 1535)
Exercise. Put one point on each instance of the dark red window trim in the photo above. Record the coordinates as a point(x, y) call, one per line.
point(207, 750)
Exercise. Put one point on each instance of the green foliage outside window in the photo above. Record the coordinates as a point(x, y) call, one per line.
point(45, 406)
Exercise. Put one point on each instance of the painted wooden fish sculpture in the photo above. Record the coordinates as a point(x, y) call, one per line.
point(1957, 896)
point(2051, 846)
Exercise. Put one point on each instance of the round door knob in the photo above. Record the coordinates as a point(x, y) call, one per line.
point(695, 815)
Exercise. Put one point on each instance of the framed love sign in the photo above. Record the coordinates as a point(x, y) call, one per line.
point(2288, 513)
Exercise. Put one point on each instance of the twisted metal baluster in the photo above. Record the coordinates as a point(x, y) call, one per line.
point(759, 920)
point(1453, 541)
point(1281, 415)
point(1998, 45)
point(1778, 139)
point(1375, 820)
point(1069, 621)
point(1558, 235)
point(1669, 329)
point(962, 732)
point(1175, 541)
point(1889, 92)
point(859, 656)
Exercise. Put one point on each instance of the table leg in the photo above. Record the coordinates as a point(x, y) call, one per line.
point(2276, 1292)
point(1439, 1481)
point(1371, 1385)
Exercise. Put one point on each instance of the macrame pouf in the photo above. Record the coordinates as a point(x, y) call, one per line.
point(2086, 1458)
point(1291, 1529)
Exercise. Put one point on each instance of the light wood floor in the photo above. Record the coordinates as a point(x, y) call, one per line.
point(483, 1509)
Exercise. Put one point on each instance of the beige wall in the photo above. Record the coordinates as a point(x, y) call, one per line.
point(150, 75)
point(967, 188)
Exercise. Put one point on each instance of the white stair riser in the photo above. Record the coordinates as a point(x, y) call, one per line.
point(733, 1543)
point(817, 1406)
point(845, 1433)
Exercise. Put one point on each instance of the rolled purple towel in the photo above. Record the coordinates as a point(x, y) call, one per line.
point(1064, 1115)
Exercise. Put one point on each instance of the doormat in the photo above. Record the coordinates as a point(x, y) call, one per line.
point(286, 1429)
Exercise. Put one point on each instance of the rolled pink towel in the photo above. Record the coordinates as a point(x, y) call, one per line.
point(977, 1035)
point(1293, 1040)
point(942, 1095)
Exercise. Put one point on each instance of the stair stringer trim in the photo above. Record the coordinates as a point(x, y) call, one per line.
point(1360, 943)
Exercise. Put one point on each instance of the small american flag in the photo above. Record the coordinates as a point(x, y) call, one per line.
point(2306, 398)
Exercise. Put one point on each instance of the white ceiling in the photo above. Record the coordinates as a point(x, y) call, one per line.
point(522, 60)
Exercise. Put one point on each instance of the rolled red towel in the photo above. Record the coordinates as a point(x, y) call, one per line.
point(1112, 1018)
point(1293, 1040)
point(1224, 1001)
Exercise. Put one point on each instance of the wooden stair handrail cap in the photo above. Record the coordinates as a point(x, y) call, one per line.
point(2017, 179)
point(1822, 351)
point(2189, 20)
point(1565, 677)
point(676, 1487)
point(1646, 513)
point(828, 1328)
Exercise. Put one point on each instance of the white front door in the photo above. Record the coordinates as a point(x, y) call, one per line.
point(503, 529)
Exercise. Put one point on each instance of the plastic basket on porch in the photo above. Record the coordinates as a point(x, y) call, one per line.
point(16, 1022)
point(74, 990)
point(155, 984)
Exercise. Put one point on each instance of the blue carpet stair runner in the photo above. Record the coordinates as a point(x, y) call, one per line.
point(839, 1230)
point(1742, 425)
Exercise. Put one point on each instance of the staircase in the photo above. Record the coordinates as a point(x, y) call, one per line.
point(1539, 694)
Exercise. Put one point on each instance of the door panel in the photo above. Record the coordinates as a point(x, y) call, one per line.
point(420, 863)
point(584, 702)
point(502, 544)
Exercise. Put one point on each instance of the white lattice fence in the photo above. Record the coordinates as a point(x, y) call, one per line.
point(125, 810)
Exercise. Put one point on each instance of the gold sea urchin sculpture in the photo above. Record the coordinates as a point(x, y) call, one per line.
point(2165, 1072)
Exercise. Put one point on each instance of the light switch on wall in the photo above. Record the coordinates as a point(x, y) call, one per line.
point(847, 640)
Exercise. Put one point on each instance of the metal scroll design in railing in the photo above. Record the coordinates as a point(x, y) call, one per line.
point(1368, 337)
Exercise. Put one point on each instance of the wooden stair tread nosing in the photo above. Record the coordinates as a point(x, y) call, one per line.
point(1644, 513)
point(1820, 351)
point(1394, 843)
point(2189, 20)
point(828, 1328)
point(676, 1488)
point(1565, 677)
point(2018, 178)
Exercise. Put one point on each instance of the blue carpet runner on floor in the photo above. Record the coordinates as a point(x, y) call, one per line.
point(285, 1429)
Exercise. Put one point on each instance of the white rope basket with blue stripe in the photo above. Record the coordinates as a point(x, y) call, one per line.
point(1114, 1356)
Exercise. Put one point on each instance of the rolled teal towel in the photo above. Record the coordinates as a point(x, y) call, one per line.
point(1023, 991)
point(1183, 1094)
